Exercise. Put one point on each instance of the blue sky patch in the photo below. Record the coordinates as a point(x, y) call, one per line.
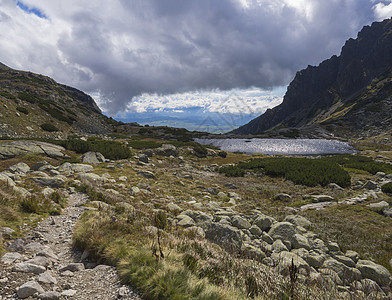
point(31, 10)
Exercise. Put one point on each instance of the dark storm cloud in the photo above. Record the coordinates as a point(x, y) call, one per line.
point(155, 46)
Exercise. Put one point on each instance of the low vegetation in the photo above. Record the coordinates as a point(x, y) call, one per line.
point(22, 109)
point(309, 172)
point(387, 188)
point(49, 127)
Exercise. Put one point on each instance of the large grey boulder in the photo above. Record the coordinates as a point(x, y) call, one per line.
point(20, 168)
point(370, 185)
point(47, 278)
point(346, 274)
point(16, 148)
point(146, 174)
point(53, 182)
point(282, 230)
point(282, 197)
point(8, 180)
point(73, 267)
point(322, 198)
point(89, 177)
point(251, 251)
point(240, 222)
point(10, 258)
point(374, 272)
point(264, 222)
point(285, 259)
point(298, 241)
point(29, 289)
point(297, 220)
point(225, 235)
point(51, 295)
point(28, 268)
point(93, 158)
point(185, 221)
point(167, 150)
point(69, 168)
point(202, 219)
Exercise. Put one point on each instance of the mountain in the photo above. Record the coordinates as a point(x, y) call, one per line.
point(346, 95)
point(33, 105)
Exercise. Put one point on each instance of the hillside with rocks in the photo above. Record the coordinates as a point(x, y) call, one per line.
point(28, 101)
point(347, 95)
point(72, 225)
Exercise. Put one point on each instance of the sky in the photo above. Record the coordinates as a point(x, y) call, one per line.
point(143, 56)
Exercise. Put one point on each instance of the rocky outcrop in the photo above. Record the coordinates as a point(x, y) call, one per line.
point(332, 94)
point(16, 148)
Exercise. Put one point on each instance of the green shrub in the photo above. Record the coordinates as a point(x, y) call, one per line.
point(232, 171)
point(22, 109)
point(200, 150)
point(360, 163)
point(26, 97)
point(30, 205)
point(8, 95)
point(309, 172)
point(49, 127)
point(111, 150)
point(387, 188)
point(136, 144)
point(222, 154)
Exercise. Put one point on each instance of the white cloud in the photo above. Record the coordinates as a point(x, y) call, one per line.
point(250, 101)
point(383, 10)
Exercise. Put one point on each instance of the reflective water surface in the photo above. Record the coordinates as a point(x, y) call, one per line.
point(281, 146)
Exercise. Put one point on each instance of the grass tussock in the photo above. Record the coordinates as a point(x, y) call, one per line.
point(189, 267)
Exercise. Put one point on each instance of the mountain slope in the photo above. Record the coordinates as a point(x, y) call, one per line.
point(29, 100)
point(346, 95)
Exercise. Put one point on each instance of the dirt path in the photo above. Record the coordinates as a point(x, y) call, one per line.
point(46, 262)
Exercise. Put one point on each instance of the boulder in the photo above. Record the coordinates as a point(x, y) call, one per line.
point(345, 260)
point(212, 191)
point(16, 148)
point(10, 258)
point(278, 246)
point(297, 220)
point(93, 158)
point(264, 222)
point(370, 185)
point(47, 191)
point(282, 197)
point(353, 255)
point(202, 219)
point(29, 289)
point(47, 278)
point(333, 247)
point(315, 260)
point(146, 174)
point(346, 274)
point(38, 165)
point(185, 221)
point(51, 295)
point(225, 235)
point(381, 204)
point(28, 268)
point(8, 180)
point(53, 182)
point(240, 223)
point(282, 230)
point(40, 261)
point(172, 207)
point(255, 230)
point(298, 241)
point(73, 267)
point(143, 158)
point(285, 259)
point(20, 168)
point(89, 177)
point(252, 252)
point(387, 211)
point(374, 272)
point(322, 198)
point(69, 168)
point(167, 150)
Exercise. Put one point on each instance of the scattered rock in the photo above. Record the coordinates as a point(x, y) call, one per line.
point(322, 198)
point(29, 289)
point(89, 177)
point(20, 168)
point(49, 181)
point(374, 272)
point(370, 185)
point(282, 230)
point(381, 204)
point(69, 293)
point(28, 268)
point(297, 220)
point(16, 148)
point(240, 222)
point(264, 222)
point(50, 295)
point(282, 197)
point(11, 257)
point(143, 158)
point(93, 158)
point(47, 278)
point(166, 150)
point(74, 267)
point(212, 191)
point(146, 174)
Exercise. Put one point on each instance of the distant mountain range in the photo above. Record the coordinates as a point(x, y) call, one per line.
point(347, 95)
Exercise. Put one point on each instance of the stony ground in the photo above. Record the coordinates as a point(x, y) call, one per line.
point(44, 263)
